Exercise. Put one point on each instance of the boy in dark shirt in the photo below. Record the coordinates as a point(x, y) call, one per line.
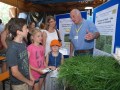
point(17, 57)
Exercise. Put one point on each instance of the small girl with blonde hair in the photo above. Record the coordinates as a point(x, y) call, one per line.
point(36, 59)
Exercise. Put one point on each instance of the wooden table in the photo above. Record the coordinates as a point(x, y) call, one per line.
point(4, 75)
point(2, 58)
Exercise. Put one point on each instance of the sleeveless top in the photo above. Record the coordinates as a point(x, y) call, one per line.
point(50, 37)
point(54, 61)
point(8, 41)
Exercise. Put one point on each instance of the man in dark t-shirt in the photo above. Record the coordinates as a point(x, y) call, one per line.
point(17, 57)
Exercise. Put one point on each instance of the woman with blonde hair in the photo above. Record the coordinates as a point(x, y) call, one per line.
point(50, 34)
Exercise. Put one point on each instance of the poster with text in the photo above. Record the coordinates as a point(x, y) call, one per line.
point(105, 22)
point(64, 28)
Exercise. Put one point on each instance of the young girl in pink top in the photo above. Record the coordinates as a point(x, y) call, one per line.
point(36, 58)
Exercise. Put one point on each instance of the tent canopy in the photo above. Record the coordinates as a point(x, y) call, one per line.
point(53, 1)
point(54, 6)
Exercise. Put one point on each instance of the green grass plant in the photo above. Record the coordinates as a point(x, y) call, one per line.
point(91, 73)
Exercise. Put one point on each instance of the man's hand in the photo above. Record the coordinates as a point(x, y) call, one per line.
point(89, 35)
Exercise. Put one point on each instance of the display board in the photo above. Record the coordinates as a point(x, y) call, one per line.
point(67, 15)
point(108, 23)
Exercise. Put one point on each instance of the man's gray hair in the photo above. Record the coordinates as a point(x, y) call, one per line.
point(76, 11)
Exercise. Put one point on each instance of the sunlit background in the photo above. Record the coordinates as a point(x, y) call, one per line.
point(4, 12)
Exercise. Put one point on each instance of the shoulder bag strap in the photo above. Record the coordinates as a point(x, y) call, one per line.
point(58, 36)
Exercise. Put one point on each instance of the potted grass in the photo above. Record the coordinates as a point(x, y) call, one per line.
point(90, 73)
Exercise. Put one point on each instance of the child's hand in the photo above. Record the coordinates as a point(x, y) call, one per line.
point(30, 82)
point(52, 67)
point(40, 71)
point(58, 69)
point(46, 70)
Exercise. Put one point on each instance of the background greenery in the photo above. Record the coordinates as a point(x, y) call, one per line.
point(91, 73)
point(4, 12)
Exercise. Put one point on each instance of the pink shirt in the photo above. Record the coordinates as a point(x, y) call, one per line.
point(36, 58)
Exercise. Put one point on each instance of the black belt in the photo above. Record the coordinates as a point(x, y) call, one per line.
point(84, 51)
